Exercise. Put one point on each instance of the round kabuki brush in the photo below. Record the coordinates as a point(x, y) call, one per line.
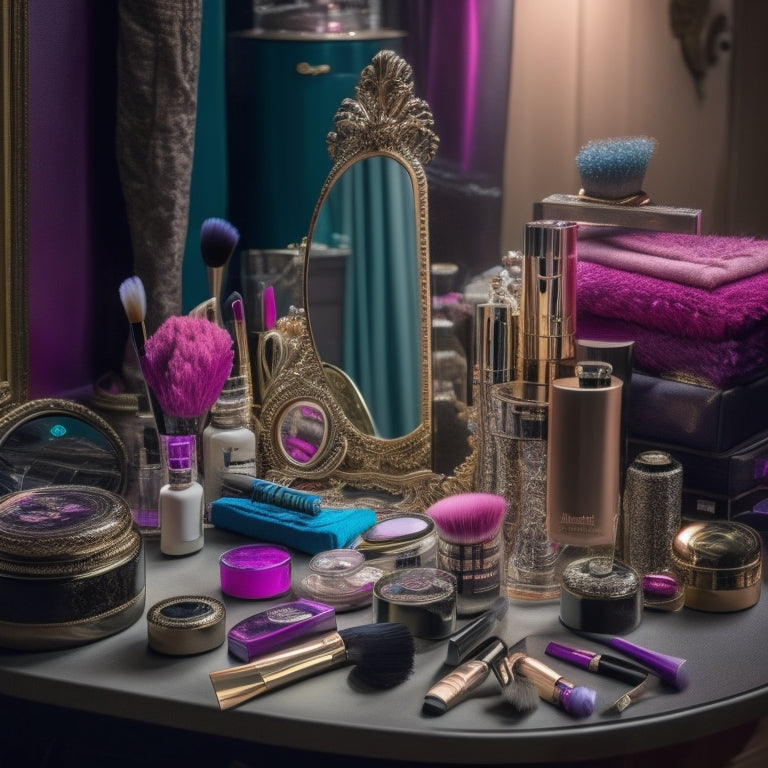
point(470, 546)
point(383, 655)
point(186, 363)
point(612, 170)
point(218, 239)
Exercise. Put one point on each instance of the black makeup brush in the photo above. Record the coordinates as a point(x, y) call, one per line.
point(383, 655)
point(218, 239)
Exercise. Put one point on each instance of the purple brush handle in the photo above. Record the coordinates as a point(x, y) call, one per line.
point(671, 669)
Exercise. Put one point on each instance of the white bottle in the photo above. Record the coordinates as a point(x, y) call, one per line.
point(229, 442)
point(180, 507)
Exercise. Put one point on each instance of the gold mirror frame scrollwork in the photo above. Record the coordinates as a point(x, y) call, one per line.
point(385, 119)
point(14, 245)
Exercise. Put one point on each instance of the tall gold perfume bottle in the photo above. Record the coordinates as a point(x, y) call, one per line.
point(520, 407)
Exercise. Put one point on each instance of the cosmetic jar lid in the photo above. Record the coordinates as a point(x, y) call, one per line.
point(424, 599)
point(340, 577)
point(612, 603)
point(278, 625)
point(400, 541)
point(255, 571)
point(186, 625)
point(721, 564)
point(64, 529)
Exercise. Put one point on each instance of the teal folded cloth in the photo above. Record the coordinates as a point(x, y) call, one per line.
point(327, 529)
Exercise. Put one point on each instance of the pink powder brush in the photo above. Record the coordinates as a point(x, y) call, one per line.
point(470, 546)
point(186, 363)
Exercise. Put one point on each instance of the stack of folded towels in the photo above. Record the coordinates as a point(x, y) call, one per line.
point(696, 306)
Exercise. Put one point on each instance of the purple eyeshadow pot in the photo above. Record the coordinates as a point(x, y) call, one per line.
point(255, 571)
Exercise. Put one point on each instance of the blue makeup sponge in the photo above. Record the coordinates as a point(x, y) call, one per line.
point(614, 169)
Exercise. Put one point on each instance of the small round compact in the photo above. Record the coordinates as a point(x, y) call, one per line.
point(721, 564)
point(400, 541)
point(71, 567)
point(340, 578)
point(424, 599)
point(255, 571)
point(186, 625)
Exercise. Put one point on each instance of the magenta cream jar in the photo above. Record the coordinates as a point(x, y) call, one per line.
point(255, 571)
point(71, 567)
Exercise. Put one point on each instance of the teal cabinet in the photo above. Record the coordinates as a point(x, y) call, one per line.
point(283, 93)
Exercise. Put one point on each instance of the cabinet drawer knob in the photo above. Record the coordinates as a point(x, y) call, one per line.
point(303, 68)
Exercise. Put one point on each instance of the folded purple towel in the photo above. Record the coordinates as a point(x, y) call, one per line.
point(720, 364)
point(723, 313)
point(701, 261)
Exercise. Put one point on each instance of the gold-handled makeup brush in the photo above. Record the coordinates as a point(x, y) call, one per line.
point(383, 654)
point(218, 239)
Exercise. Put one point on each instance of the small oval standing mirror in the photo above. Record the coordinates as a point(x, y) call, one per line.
point(358, 353)
point(59, 442)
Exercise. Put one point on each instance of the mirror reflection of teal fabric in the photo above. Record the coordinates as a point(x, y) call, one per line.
point(373, 204)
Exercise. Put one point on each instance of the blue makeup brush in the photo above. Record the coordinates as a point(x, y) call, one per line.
point(612, 170)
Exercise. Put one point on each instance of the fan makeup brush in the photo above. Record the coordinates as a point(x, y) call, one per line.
point(218, 239)
point(383, 656)
point(186, 363)
point(470, 546)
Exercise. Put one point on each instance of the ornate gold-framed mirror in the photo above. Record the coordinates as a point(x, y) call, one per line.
point(320, 423)
point(14, 321)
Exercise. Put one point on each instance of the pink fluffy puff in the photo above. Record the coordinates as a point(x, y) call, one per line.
point(186, 363)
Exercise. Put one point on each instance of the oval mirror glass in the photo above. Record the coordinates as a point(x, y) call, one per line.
point(58, 442)
point(303, 430)
point(363, 291)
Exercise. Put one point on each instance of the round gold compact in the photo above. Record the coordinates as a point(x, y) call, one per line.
point(71, 567)
point(186, 625)
point(721, 563)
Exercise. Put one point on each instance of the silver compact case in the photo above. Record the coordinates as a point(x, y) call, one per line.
point(340, 578)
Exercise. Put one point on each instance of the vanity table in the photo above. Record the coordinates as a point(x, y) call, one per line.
point(121, 677)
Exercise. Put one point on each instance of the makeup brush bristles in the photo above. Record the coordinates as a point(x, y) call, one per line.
point(187, 361)
point(614, 169)
point(218, 239)
point(134, 299)
point(468, 518)
point(383, 653)
point(520, 692)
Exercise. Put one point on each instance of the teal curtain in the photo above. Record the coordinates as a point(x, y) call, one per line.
point(374, 206)
point(208, 189)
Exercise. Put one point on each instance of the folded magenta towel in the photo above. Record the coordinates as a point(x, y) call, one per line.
point(327, 529)
point(720, 364)
point(724, 313)
point(700, 261)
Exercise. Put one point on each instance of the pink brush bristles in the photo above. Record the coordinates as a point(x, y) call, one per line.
point(468, 518)
point(186, 363)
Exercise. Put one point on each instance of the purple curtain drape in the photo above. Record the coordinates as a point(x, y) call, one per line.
point(460, 51)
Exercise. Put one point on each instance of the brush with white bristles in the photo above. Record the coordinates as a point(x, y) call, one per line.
point(134, 300)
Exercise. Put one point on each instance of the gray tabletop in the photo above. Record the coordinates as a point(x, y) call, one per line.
point(121, 676)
